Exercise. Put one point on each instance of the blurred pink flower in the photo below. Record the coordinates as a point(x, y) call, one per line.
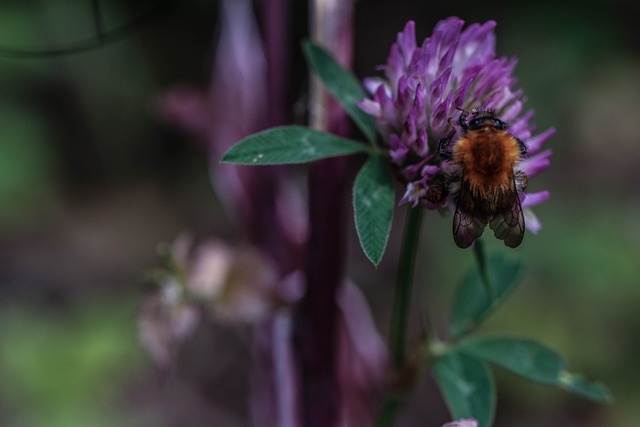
point(166, 320)
point(465, 422)
point(239, 285)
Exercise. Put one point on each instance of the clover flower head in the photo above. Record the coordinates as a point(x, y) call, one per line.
point(425, 89)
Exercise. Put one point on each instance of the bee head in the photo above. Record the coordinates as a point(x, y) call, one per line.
point(486, 118)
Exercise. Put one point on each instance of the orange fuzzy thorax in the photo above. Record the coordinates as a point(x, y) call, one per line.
point(487, 157)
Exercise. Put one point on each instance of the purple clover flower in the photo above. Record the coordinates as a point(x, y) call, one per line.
point(421, 96)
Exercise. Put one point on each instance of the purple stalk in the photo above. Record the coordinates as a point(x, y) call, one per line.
point(274, 378)
point(328, 194)
point(248, 93)
point(277, 35)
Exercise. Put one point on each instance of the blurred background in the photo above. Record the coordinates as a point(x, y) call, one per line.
point(92, 178)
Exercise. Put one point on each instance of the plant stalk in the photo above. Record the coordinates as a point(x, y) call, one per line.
point(400, 319)
point(404, 282)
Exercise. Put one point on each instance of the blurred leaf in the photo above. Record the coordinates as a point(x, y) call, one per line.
point(342, 84)
point(579, 385)
point(290, 144)
point(373, 203)
point(523, 357)
point(468, 388)
point(472, 304)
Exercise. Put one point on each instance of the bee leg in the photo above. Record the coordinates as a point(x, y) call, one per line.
point(444, 152)
point(462, 120)
point(523, 147)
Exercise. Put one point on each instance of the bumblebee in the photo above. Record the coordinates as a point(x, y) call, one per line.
point(483, 179)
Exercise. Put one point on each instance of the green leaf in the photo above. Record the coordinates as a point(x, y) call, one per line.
point(535, 362)
point(472, 304)
point(340, 83)
point(575, 383)
point(373, 203)
point(290, 144)
point(526, 358)
point(468, 388)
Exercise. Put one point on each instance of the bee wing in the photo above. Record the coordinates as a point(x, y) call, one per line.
point(508, 225)
point(467, 227)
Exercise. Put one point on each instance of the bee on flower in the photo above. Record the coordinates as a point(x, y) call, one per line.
point(456, 131)
point(484, 181)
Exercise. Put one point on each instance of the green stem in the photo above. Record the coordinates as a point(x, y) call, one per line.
point(389, 410)
point(400, 315)
point(402, 298)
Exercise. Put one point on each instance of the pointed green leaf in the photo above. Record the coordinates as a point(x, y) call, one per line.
point(373, 203)
point(343, 85)
point(526, 358)
point(577, 384)
point(535, 362)
point(290, 144)
point(468, 388)
point(472, 304)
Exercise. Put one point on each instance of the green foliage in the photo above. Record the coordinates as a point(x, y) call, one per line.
point(341, 84)
point(534, 362)
point(373, 204)
point(65, 369)
point(461, 370)
point(468, 387)
point(523, 357)
point(576, 383)
point(472, 304)
point(290, 144)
